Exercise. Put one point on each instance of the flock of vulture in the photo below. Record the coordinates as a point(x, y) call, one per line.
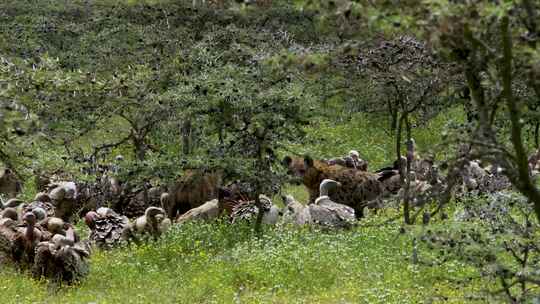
point(39, 236)
point(35, 237)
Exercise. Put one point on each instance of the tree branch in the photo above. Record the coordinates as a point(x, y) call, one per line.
point(524, 183)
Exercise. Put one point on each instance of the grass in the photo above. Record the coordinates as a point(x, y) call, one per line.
point(367, 133)
point(220, 263)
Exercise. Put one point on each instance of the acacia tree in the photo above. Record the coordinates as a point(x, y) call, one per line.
point(73, 104)
point(15, 121)
point(137, 96)
point(496, 47)
point(263, 119)
point(410, 77)
point(246, 124)
point(17, 124)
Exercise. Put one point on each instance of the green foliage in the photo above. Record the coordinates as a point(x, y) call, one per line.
point(127, 75)
point(498, 235)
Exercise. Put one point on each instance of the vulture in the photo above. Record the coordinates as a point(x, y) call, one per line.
point(52, 226)
point(11, 203)
point(154, 222)
point(48, 207)
point(246, 210)
point(391, 181)
point(108, 229)
point(390, 177)
point(352, 160)
point(64, 198)
point(9, 214)
point(294, 211)
point(327, 213)
point(61, 259)
point(233, 194)
point(422, 191)
point(323, 212)
point(473, 174)
point(42, 197)
point(423, 168)
point(134, 201)
point(8, 235)
point(63, 190)
point(18, 242)
point(29, 237)
point(475, 177)
point(41, 214)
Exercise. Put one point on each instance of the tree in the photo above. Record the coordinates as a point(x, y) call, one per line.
point(71, 105)
point(17, 124)
point(410, 77)
point(251, 123)
point(495, 45)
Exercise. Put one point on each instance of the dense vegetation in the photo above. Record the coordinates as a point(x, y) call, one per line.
point(177, 85)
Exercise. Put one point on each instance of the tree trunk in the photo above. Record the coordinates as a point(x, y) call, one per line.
point(403, 171)
point(536, 135)
point(186, 137)
point(260, 214)
point(138, 146)
point(221, 141)
point(398, 147)
point(410, 159)
point(523, 182)
point(145, 194)
point(262, 167)
point(88, 8)
point(393, 116)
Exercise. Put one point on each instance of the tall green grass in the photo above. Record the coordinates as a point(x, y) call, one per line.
point(222, 263)
point(369, 134)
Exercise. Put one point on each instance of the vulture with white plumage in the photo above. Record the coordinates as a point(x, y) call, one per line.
point(323, 212)
point(327, 213)
point(64, 198)
point(207, 211)
point(295, 212)
point(154, 222)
